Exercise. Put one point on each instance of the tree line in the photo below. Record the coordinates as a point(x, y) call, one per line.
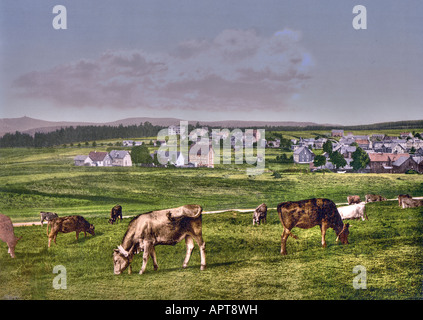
point(406, 125)
point(78, 134)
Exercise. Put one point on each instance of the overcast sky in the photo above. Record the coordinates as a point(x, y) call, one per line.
point(282, 60)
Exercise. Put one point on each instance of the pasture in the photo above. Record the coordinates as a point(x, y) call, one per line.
point(243, 261)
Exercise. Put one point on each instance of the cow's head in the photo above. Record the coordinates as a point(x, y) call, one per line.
point(12, 246)
point(343, 235)
point(121, 260)
point(91, 230)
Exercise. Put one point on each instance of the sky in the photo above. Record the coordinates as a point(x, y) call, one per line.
point(268, 60)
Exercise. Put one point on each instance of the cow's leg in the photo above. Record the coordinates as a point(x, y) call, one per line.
point(153, 256)
point(52, 236)
point(77, 235)
point(11, 250)
point(190, 246)
point(284, 237)
point(147, 248)
point(199, 239)
point(323, 228)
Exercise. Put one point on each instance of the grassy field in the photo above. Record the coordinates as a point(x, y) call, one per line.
point(243, 260)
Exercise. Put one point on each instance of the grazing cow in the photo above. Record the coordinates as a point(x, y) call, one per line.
point(260, 214)
point(306, 214)
point(7, 234)
point(374, 198)
point(411, 203)
point(69, 224)
point(167, 227)
point(353, 199)
point(47, 216)
point(401, 197)
point(115, 214)
point(354, 211)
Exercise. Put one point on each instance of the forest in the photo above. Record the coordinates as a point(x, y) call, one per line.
point(78, 134)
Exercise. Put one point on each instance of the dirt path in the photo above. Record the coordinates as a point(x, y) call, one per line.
point(23, 224)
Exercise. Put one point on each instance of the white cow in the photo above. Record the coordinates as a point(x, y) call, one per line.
point(354, 211)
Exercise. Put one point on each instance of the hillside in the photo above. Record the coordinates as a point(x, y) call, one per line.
point(31, 125)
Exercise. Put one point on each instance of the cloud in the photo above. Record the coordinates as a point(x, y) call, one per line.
point(237, 70)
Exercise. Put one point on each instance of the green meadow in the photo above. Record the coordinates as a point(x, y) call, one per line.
point(243, 260)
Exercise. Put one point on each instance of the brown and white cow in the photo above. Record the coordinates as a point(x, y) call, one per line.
point(401, 197)
point(162, 227)
point(353, 199)
point(306, 214)
point(374, 198)
point(411, 203)
point(260, 214)
point(7, 234)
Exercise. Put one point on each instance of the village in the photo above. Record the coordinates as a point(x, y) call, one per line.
point(386, 154)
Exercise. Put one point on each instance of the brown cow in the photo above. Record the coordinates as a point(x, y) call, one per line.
point(411, 203)
point(306, 214)
point(69, 224)
point(374, 198)
point(115, 214)
point(353, 199)
point(401, 197)
point(260, 214)
point(7, 234)
point(166, 227)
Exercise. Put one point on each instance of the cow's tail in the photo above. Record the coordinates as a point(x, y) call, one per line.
point(283, 225)
point(199, 212)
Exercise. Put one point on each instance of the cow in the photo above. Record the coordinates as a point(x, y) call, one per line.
point(306, 214)
point(69, 224)
point(401, 197)
point(411, 203)
point(161, 227)
point(354, 211)
point(7, 234)
point(115, 214)
point(47, 216)
point(374, 198)
point(260, 214)
point(353, 199)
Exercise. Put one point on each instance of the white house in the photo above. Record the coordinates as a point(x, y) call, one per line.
point(303, 155)
point(82, 160)
point(202, 155)
point(100, 159)
point(121, 158)
point(174, 157)
point(131, 143)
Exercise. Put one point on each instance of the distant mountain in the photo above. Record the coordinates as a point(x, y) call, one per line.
point(31, 125)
